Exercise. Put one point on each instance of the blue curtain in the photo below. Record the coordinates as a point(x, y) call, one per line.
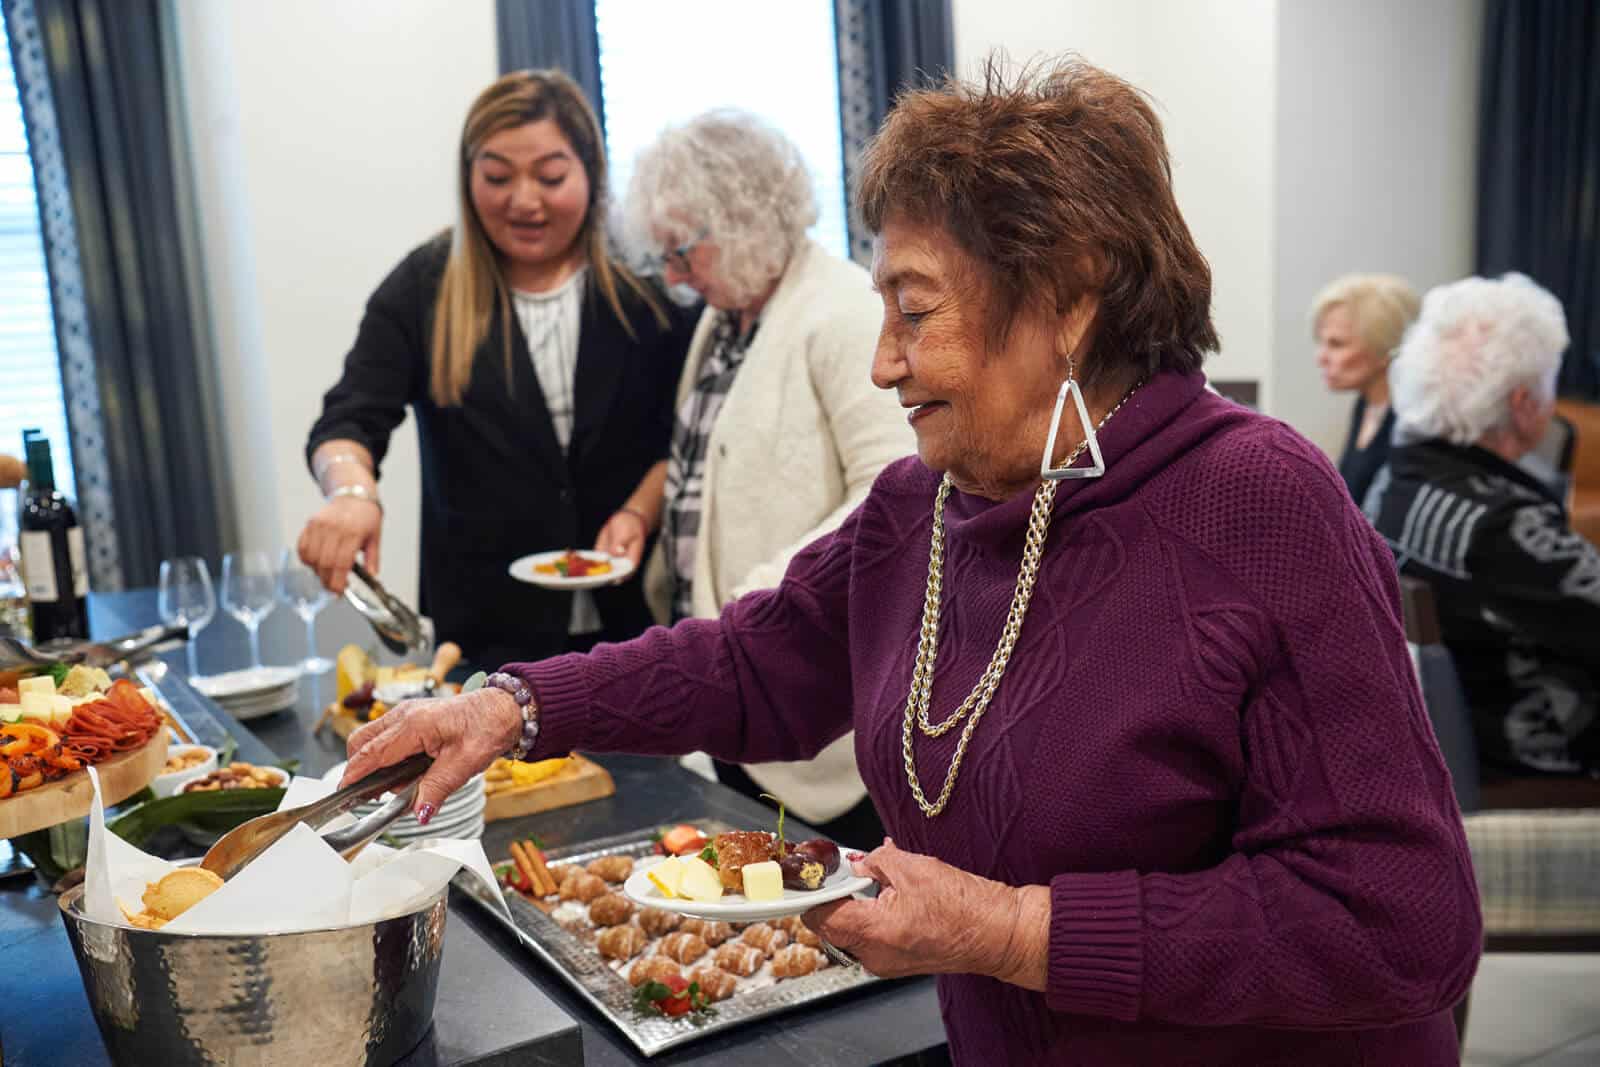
point(137, 369)
point(1539, 163)
point(884, 46)
point(536, 34)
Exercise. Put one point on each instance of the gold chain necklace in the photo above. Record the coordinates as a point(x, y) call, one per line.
point(977, 701)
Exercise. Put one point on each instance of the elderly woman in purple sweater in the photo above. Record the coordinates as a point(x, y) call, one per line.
point(1124, 662)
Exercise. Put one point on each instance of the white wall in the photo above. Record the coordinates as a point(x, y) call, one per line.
point(1210, 66)
point(324, 133)
point(1308, 139)
point(1376, 171)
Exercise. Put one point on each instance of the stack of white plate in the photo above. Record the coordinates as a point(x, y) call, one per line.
point(460, 817)
point(252, 692)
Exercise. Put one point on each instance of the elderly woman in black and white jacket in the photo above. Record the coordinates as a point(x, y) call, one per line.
point(780, 431)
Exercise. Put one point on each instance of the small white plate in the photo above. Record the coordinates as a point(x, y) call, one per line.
point(167, 783)
point(734, 908)
point(251, 681)
point(523, 571)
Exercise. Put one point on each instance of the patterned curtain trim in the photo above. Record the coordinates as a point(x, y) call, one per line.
point(96, 510)
point(858, 96)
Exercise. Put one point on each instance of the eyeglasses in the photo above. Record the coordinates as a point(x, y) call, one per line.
point(676, 258)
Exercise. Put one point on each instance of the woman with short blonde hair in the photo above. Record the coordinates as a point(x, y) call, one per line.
point(1358, 322)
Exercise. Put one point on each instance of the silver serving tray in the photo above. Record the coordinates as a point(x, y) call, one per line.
point(582, 967)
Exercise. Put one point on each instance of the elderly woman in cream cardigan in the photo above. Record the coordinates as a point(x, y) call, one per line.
point(779, 431)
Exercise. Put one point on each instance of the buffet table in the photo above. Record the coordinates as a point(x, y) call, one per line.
point(496, 1003)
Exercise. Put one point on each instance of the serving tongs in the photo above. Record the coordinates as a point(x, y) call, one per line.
point(396, 624)
point(133, 648)
point(241, 845)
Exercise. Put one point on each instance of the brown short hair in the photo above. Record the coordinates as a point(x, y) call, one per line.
point(1058, 183)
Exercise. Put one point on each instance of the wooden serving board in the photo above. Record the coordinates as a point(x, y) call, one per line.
point(72, 796)
point(578, 781)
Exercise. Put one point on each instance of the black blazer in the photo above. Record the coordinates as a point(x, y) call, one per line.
point(495, 484)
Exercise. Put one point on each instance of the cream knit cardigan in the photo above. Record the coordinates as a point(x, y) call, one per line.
point(798, 441)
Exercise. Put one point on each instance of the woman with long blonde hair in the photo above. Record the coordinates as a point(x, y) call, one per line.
point(541, 373)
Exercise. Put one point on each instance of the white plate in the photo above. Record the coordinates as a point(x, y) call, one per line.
point(523, 571)
point(734, 908)
point(252, 681)
point(255, 709)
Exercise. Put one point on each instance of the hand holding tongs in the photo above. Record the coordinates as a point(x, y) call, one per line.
point(396, 624)
point(243, 844)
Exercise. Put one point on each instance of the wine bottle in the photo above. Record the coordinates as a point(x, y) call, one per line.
point(53, 564)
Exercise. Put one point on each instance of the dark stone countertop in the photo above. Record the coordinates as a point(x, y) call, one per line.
point(497, 1003)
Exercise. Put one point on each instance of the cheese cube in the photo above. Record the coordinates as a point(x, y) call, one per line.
point(61, 709)
point(699, 880)
point(39, 707)
point(10, 712)
point(385, 676)
point(39, 683)
point(666, 876)
point(762, 881)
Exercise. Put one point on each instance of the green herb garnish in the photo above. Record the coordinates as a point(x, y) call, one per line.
point(709, 854)
point(59, 672)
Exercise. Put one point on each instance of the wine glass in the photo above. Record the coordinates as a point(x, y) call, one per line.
point(187, 598)
point(249, 592)
point(301, 589)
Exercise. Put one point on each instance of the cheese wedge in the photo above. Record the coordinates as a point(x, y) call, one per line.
point(762, 881)
point(666, 876)
point(38, 707)
point(39, 683)
point(699, 880)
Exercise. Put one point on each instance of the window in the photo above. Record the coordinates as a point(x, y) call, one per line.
point(666, 63)
point(30, 368)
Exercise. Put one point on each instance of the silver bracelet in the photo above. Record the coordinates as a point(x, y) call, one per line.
point(321, 469)
point(357, 492)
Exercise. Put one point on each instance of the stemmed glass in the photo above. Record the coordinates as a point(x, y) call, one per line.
point(186, 598)
point(301, 589)
point(249, 588)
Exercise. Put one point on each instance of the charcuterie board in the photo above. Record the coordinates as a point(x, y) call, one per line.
point(121, 776)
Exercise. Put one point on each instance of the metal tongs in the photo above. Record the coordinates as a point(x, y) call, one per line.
point(133, 648)
point(241, 845)
point(396, 624)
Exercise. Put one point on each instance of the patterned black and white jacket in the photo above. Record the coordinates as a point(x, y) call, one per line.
point(1518, 594)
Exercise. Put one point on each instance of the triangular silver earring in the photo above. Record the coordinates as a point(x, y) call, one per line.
point(1096, 468)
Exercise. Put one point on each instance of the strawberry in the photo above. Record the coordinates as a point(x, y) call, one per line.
point(683, 840)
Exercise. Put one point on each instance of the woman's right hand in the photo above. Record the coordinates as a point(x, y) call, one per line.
point(340, 529)
point(463, 733)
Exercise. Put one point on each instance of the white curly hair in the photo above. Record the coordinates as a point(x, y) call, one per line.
point(1475, 342)
point(733, 176)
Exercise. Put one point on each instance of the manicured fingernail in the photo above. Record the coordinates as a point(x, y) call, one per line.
point(425, 813)
point(853, 856)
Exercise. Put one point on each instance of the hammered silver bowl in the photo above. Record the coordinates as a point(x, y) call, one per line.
point(354, 995)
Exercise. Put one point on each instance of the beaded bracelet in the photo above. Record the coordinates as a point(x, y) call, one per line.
point(523, 695)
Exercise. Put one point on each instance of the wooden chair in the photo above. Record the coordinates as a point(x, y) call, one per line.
point(1583, 500)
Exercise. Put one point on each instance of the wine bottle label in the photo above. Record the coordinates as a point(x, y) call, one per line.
point(38, 566)
point(80, 565)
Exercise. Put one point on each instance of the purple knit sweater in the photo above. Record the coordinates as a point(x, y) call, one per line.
point(1209, 744)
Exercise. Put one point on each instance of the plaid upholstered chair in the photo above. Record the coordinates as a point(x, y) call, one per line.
point(1535, 841)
